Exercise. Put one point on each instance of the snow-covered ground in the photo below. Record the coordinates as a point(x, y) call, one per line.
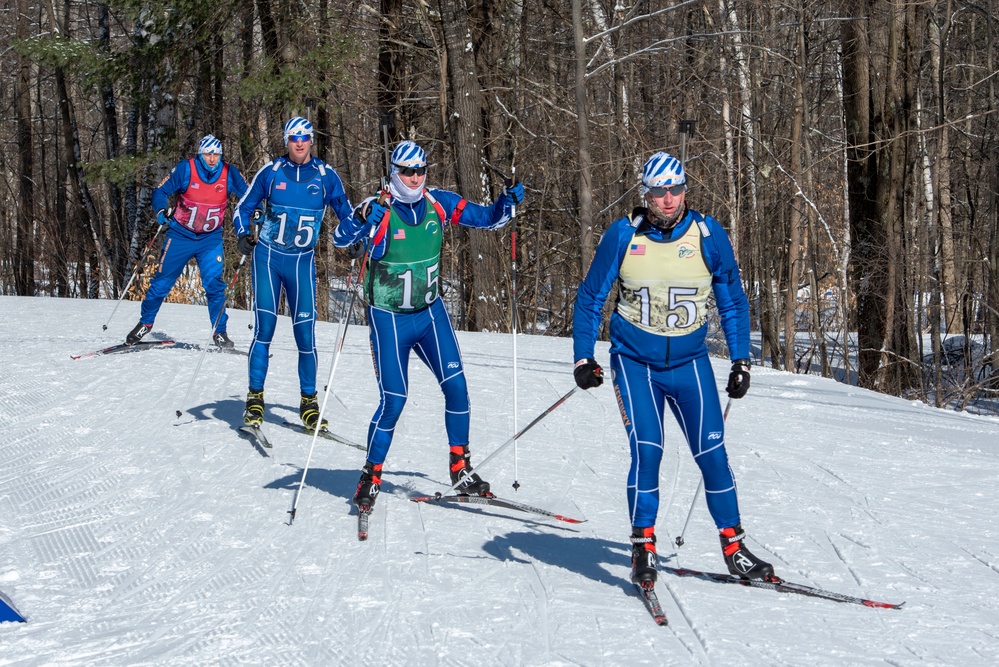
point(128, 537)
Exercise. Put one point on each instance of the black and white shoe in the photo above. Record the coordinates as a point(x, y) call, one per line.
point(222, 340)
point(136, 334)
point(460, 461)
point(740, 561)
point(369, 485)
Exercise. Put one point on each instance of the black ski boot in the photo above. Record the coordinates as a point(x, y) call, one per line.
point(740, 561)
point(253, 415)
point(644, 559)
point(369, 485)
point(222, 340)
point(461, 461)
point(136, 334)
point(308, 410)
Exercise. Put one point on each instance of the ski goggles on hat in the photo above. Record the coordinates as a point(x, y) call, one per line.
point(409, 171)
point(675, 190)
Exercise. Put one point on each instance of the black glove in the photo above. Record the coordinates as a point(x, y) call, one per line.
point(245, 244)
point(357, 250)
point(588, 373)
point(738, 379)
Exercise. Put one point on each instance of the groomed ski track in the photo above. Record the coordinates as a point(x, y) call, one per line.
point(129, 538)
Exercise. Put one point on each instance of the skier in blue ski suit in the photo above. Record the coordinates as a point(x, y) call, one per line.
point(203, 185)
point(402, 231)
point(293, 192)
point(667, 261)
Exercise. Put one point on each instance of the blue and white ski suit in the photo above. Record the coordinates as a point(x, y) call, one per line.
point(424, 329)
point(200, 236)
point(294, 198)
point(658, 349)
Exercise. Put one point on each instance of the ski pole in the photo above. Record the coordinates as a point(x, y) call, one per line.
point(700, 486)
point(507, 184)
point(326, 389)
point(509, 442)
point(218, 319)
point(142, 260)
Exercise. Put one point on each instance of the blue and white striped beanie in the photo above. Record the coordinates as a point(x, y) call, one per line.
point(298, 127)
point(662, 170)
point(408, 154)
point(209, 144)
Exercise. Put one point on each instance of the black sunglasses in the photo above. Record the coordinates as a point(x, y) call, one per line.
point(409, 171)
point(675, 190)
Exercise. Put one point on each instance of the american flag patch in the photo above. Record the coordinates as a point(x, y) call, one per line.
point(399, 234)
point(195, 186)
point(281, 186)
point(637, 249)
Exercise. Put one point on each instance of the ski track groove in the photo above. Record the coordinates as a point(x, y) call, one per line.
point(697, 650)
point(842, 558)
point(542, 606)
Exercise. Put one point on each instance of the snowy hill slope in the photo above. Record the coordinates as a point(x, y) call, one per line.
point(128, 538)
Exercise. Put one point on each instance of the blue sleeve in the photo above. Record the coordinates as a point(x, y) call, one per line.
point(236, 185)
point(336, 197)
point(177, 181)
point(592, 293)
point(474, 215)
point(250, 201)
point(351, 229)
point(731, 301)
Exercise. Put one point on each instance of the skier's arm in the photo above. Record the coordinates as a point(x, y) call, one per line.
point(476, 215)
point(355, 227)
point(177, 181)
point(593, 291)
point(236, 185)
point(248, 203)
point(732, 304)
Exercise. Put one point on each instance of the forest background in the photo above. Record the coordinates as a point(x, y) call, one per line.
point(848, 146)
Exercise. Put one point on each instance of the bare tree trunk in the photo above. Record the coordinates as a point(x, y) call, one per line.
point(952, 285)
point(485, 304)
point(119, 229)
point(24, 255)
point(586, 235)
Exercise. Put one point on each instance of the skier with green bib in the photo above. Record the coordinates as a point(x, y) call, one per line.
point(402, 230)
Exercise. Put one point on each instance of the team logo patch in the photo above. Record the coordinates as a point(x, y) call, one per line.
point(219, 187)
point(313, 189)
point(218, 258)
point(685, 250)
point(433, 227)
point(637, 249)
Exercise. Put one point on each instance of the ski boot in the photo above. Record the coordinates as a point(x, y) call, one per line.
point(460, 463)
point(253, 415)
point(222, 340)
point(308, 410)
point(368, 486)
point(644, 559)
point(740, 561)
point(136, 334)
